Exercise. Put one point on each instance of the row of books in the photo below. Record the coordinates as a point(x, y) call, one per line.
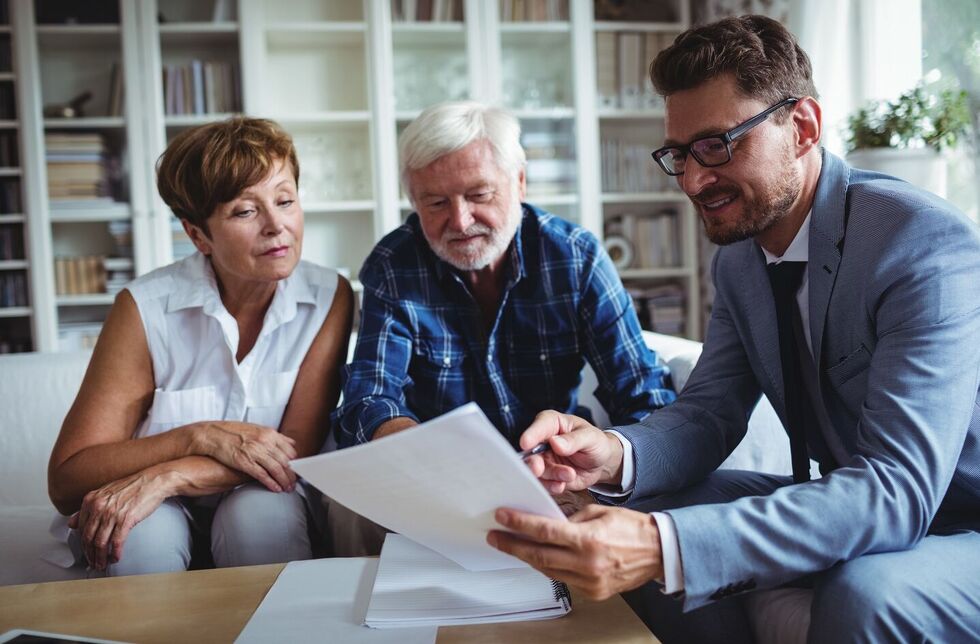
point(8, 150)
point(201, 87)
point(427, 10)
point(622, 66)
point(76, 165)
point(11, 242)
point(6, 56)
point(13, 289)
point(645, 240)
point(533, 10)
point(114, 104)
point(91, 274)
point(628, 167)
point(660, 308)
point(550, 153)
point(638, 10)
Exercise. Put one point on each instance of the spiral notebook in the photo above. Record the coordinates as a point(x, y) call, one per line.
point(416, 586)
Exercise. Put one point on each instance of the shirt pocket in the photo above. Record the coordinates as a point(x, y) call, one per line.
point(268, 397)
point(441, 376)
point(546, 369)
point(172, 409)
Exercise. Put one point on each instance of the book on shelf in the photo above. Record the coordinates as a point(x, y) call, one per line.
point(8, 103)
point(416, 586)
point(13, 289)
point(114, 106)
point(533, 10)
point(627, 167)
point(660, 308)
point(8, 150)
point(201, 87)
point(629, 54)
point(638, 10)
point(11, 242)
point(80, 275)
point(427, 10)
point(10, 196)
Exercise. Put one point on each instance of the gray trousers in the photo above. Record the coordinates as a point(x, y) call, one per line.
point(250, 525)
point(930, 593)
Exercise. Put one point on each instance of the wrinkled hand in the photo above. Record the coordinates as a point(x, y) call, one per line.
point(257, 451)
point(109, 513)
point(581, 455)
point(600, 550)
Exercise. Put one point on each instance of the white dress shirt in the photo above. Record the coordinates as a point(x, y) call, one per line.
point(673, 581)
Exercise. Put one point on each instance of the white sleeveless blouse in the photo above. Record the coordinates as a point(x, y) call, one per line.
point(193, 340)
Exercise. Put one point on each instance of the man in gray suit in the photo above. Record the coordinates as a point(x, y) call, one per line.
point(848, 298)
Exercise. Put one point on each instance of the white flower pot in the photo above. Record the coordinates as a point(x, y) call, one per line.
point(923, 167)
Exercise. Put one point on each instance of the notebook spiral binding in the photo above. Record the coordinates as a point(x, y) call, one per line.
point(561, 593)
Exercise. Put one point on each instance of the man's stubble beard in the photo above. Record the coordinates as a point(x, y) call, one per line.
point(500, 242)
point(758, 215)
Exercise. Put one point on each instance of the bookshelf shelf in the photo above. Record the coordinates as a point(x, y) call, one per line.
point(544, 113)
point(641, 197)
point(535, 28)
point(12, 219)
point(9, 124)
point(7, 76)
point(10, 172)
point(88, 216)
point(15, 312)
point(202, 35)
point(208, 28)
point(85, 123)
point(91, 299)
point(344, 207)
point(330, 116)
point(647, 27)
point(547, 201)
point(13, 264)
point(631, 115)
point(190, 120)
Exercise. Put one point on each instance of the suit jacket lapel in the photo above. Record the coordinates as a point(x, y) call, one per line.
point(827, 223)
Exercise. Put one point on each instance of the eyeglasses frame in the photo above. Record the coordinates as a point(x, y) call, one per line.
point(727, 137)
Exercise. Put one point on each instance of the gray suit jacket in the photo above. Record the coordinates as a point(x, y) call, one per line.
point(895, 322)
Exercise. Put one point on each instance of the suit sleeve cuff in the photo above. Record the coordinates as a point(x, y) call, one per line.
point(670, 552)
point(628, 482)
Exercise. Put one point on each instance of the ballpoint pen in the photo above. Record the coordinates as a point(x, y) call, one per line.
point(537, 449)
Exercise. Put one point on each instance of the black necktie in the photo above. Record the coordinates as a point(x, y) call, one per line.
point(784, 278)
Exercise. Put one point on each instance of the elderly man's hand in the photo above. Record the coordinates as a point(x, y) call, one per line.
point(600, 550)
point(581, 455)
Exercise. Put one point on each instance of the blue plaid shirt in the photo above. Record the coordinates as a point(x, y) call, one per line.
point(423, 348)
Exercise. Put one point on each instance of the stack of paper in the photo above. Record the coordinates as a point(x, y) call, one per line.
point(438, 484)
point(418, 587)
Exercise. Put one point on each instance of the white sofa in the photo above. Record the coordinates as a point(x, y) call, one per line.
point(36, 391)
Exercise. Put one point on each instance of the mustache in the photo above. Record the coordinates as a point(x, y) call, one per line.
point(475, 229)
point(714, 193)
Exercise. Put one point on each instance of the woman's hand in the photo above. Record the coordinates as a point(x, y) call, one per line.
point(109, 513)
point(256, 451)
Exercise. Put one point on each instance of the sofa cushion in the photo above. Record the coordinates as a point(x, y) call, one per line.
point(24, 540)
point(36, 391)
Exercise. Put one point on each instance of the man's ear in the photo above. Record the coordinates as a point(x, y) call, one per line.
point(201, 239)
point(807, 124)
point(522, 183)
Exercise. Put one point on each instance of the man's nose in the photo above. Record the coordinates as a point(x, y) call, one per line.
point(696, 177)
point(460, 216)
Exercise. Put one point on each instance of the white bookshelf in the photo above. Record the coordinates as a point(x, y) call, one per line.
point(343, 78)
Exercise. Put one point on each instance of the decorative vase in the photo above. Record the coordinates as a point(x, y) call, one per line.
point(923, 167)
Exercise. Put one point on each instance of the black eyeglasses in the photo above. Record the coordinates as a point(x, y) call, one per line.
point(714, 150)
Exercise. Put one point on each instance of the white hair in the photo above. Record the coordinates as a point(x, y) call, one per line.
point(448, 127)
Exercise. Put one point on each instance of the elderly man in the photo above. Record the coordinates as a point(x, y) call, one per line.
point(850, 299)
point(480, 297)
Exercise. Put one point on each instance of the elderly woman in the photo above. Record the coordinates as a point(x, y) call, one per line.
point(210, 374)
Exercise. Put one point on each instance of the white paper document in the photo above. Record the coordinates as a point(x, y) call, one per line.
point(417, 586)
point(324, 600)
point(438, 484)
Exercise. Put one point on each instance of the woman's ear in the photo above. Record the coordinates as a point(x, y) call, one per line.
point(201, 240)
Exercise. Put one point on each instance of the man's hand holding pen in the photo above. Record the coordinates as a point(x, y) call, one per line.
point(578, 456)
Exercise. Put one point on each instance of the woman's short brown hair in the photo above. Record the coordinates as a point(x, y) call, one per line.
point(209, 165)
point(760, 53)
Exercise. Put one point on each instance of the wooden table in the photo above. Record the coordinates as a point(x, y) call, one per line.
point(214, 606)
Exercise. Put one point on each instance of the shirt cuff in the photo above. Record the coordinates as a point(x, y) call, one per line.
point(628, 482)
point(670, 553)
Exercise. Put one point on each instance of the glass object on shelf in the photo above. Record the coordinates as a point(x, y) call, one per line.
point(335, 166)
point(622, 69)
point(427, 76)
point(532, 75)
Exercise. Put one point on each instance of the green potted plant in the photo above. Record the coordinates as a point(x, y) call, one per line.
point(906, 137)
